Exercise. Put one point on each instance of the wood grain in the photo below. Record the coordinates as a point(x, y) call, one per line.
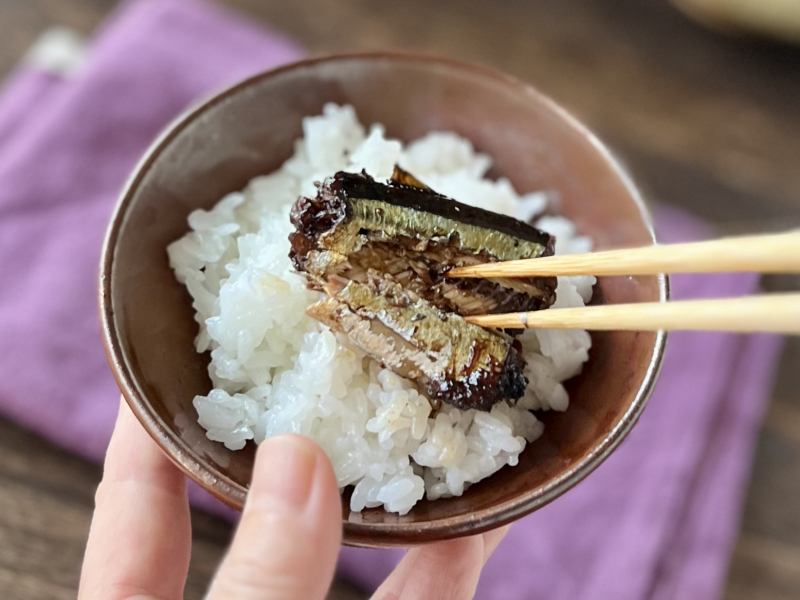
point(705, 122)
point(776, 313)
point(775, 253)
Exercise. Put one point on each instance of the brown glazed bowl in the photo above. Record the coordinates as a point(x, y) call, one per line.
point(248, 130)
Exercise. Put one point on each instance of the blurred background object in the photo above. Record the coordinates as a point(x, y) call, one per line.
point(705, 122)
point(779, 19)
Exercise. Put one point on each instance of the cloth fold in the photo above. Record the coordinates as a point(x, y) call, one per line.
point(656, 521)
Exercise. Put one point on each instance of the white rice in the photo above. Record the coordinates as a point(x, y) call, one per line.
point(275, 370)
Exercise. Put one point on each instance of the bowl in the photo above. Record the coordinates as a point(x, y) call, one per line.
point(248, 130)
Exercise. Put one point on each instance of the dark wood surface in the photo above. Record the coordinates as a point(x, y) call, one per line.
point(706, 122)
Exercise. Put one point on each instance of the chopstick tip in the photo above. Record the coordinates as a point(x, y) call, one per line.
point(455, 272)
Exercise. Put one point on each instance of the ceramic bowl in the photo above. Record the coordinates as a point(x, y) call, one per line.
point(248, 130)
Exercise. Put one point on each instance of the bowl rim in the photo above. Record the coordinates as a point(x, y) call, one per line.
point(361, 533)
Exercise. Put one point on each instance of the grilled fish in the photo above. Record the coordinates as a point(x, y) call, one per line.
point(355, 225)
point(454, 361)
point(381, 251)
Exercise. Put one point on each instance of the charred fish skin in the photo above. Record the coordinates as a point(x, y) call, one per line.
point(416, 199)
point(454, 361)
point(356, 225)
point(485, 389)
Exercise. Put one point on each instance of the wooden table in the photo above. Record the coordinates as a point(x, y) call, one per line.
point(706, 122)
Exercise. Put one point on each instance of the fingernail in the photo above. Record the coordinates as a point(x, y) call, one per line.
point(283, 474)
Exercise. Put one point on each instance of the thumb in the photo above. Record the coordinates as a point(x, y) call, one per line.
point(289, 536)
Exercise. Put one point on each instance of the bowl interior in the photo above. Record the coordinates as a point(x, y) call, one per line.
point(249, 130)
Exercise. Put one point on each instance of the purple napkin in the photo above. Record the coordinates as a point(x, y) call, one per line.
point(656, 521)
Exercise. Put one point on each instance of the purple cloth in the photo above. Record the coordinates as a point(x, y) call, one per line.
point(656, 521)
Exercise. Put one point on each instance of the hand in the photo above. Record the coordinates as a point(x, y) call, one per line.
point(285, 547)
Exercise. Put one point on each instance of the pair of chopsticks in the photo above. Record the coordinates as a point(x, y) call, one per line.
point(778, 253)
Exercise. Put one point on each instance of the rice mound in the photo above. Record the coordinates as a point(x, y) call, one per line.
point(275, 370)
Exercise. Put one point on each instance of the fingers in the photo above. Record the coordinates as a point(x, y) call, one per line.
point(289, 536)
point(139, 543)
point(492, 539)
point(445, 571)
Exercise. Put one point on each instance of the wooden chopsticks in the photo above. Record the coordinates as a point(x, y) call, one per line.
point(778, 253)
point(775, 312)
